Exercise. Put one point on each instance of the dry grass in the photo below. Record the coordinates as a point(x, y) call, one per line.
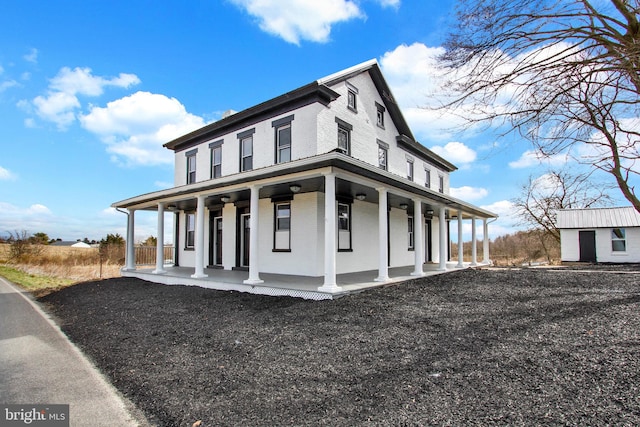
point(77, 264)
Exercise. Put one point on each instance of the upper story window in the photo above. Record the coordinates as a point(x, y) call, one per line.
point(383, 154)
point(246, 150)
point(216, 159)
point(191, 166)
point(410, 169)
point(618, 240)
point(352, 100)
point(427, 178)
point(441, 183)
point(380, 115)
point(282, 139)
point(344, 136)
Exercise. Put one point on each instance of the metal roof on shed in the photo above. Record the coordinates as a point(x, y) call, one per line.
point(598, 218)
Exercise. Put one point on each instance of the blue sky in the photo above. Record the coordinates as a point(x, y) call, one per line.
point(89, 92)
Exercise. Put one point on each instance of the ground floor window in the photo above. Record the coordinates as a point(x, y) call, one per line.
point(282, 227)
point(618, 240)
point(344, 226)
point(190, 232)
point(410, 234)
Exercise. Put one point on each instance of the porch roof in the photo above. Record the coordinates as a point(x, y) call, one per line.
point(299, 169)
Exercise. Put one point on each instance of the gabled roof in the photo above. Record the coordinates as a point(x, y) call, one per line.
point(317, 91)
point(406, 138)
point(622, 217)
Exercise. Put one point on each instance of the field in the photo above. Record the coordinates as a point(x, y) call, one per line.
point(472, 347)
point(59, 266)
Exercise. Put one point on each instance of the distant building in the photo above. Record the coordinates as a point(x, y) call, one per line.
point(599, 234)
point(71, 244)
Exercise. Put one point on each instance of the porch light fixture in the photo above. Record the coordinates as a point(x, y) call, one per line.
point(404, 206)
point(171, 207)
point(429, 212)
point(225, 199)
point(295, 188)
point(361, 196)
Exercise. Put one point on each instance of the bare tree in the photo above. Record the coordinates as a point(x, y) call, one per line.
point(564, 74)
point(541, 197)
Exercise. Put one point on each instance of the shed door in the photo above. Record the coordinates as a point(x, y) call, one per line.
point(587, 246)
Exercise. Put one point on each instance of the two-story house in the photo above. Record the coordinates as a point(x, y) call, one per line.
point(324, 180)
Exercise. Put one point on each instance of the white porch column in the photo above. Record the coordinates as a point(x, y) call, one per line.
point(199, 239)
point(160, 241)
point(485, 242)
point(418, 244)
point(131, 250)
point(474, 241)
point(460, 242)
point(442, 228)
point(254, 250)
point(383, 238)
point(330, 232)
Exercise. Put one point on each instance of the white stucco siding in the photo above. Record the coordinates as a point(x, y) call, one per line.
point(569, 245)
point(399, 239)
point(364, 240)
point(305, 258)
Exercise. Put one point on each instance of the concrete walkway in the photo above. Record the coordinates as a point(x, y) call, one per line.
point(39, 365)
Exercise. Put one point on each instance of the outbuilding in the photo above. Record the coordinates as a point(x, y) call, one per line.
point(599, 234)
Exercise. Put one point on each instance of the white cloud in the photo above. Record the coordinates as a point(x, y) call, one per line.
point(389, 3)
point(81, 81)
point(7, 84)
point(532, 158)
point(295, 20)
point(33, 219)
point(135, 127)
point(32, 56)
point(61, 102)
point(469, 193)
point(456, 152)
point(57, 107)
point(6, 174)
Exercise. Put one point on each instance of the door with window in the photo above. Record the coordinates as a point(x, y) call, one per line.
point(245, 232)
point(215, 238)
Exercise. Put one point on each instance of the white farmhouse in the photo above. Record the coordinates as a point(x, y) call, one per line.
point(314, 193)
point(599, 234)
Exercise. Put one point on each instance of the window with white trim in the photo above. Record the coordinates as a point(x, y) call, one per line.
point(352, 100)
point(427, 178)
point(618, 240)
point(380, 115)
point(283, 144)
point(344, 136)
point(441, 183)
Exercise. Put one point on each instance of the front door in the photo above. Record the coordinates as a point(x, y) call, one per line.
point(587, 246)
point(428, 249)
point(244, 239)
point(215, 238)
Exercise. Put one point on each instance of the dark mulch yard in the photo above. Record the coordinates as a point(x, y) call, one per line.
point(509, 347)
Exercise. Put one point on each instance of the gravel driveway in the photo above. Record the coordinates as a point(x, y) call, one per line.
point(472, 347)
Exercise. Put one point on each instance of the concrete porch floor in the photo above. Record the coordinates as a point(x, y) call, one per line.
point(282, 284)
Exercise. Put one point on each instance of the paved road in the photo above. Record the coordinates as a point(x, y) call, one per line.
point(39, 365)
